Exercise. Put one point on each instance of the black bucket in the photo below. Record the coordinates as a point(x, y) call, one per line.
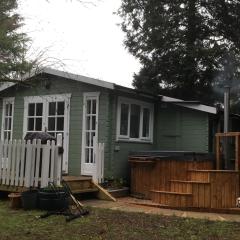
point(53, 200)
point(29, 199)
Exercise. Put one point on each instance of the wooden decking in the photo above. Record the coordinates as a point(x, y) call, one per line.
point(184, 184)
point(78, 184)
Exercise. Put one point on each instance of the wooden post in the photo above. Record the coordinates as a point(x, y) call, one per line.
point(59, 159)
point(218, 152)
point(237, 153)
point(28, 167)
point(45, 164)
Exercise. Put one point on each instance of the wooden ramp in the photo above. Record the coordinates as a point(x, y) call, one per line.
point(84, 185)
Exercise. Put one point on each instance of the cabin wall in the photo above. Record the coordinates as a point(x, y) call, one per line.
point(63, 86)
point(181, 129)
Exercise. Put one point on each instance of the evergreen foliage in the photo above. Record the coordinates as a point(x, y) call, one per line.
point(186, 47)
point(13, 63)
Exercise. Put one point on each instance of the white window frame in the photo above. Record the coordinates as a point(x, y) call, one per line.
point(10, 100)
point(129, 101)
point(45, 99)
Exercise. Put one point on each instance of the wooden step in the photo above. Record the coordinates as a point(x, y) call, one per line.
point(174, 199)
point(88, 190)
point(184, 186)
point(200, 191)
point(198, 175)
point(85, 184)
point(78, 183)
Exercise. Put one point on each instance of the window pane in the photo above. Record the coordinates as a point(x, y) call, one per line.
point(6, 124)
point(60, 124)
point(87, 155)
point(135, 121)
point(88, 123)
point(92, 137)
point(89, 106)
point(31, 109)
point(6, 109)
point(30, 124)
point(38, 126)
point(91, 155)
point(93, 123)
point(10, 109)
point(94, 107)
point(6, 136)
point(146, 120)
point(124, 119)
point(87, 139)
point(52, 108)
point(39, 110)
point(9, 123)
point(60, 109)
point(51, 124)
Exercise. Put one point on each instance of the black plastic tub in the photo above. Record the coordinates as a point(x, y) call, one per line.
point(51, 200)
point(29, 199)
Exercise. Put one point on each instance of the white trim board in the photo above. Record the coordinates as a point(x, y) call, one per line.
point(6, 100)
point(197, 106)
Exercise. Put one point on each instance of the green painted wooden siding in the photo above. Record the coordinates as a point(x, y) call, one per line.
point(181, 129)
point(64, 86)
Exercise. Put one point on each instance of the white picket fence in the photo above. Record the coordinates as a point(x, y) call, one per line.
point(30, 164)
point(98, 150)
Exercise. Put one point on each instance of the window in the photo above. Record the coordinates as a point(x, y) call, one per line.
point(35, 117)
point(7, 118)
point(135, 120)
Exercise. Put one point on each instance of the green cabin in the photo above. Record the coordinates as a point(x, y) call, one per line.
point(85, 110)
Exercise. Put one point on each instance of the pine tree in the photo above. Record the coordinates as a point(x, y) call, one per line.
point(13, 43)
point(186, 47)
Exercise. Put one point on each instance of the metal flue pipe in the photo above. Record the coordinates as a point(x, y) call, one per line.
point(226, 123)
point(226, 108)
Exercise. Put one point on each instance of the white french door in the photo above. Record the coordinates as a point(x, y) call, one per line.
point(89, 132)
point(49, 114)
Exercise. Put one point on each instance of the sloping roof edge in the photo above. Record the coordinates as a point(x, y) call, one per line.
point(63, 74)
point(188, 104)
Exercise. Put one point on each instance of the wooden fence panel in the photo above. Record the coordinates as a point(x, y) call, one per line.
point(30, 164)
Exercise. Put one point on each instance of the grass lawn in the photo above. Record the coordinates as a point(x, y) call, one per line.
point(112, 225)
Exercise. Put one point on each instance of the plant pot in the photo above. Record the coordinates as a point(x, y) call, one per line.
point(29, 199)
point(15, 200)
point(51, 200)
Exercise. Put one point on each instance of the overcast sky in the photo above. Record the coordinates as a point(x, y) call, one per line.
point(86, 39)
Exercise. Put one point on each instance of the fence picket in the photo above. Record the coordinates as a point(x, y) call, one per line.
point(9, 160)
point(45, 165)
point(27, 179)
point(33, 160)
point(58, 160)
point(5, 150)
point(22, 163)
point(37, 167)
point(1, 161)
point(18, 157)
point(13, 164)
point(52, 162)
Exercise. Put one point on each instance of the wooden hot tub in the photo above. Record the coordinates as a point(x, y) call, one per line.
point(183, 179)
